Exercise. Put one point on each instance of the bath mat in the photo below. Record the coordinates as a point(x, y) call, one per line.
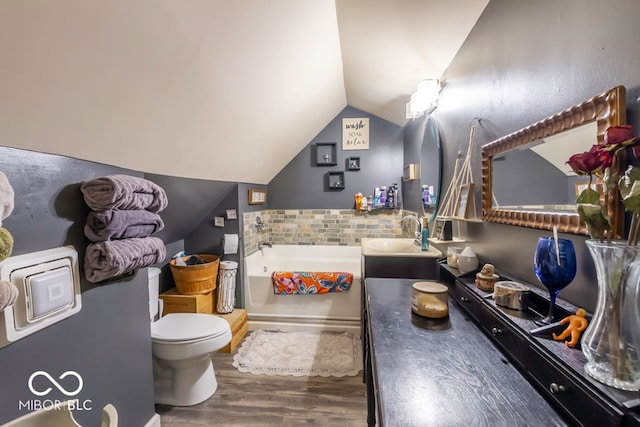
point(276, 352)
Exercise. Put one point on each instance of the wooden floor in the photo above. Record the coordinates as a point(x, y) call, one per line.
point(244, 399)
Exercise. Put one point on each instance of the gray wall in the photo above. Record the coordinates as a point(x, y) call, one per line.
point(301, 184)
point(108, 342)
point(523, 61)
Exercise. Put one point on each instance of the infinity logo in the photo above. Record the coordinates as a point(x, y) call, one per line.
point(55, 383)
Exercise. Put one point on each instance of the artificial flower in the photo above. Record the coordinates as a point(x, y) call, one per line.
point(597, 161)
point(592, 162)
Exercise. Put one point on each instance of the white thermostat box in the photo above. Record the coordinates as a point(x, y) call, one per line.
point(48, 285)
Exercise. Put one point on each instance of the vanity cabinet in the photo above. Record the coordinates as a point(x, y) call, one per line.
point(401, 266)
point(555, 369)
point(440, 372)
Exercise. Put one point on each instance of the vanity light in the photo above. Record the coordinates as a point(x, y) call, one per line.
point(424, 98)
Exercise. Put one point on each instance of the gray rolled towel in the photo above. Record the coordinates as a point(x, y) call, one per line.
point(6, 197)
point(8, 294)
point(123, 192)
point(104, 260)
point(115, 224)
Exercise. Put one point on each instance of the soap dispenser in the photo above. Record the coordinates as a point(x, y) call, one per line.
point(425, 234)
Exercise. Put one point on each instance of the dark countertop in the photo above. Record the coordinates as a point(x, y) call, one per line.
point(443, 372)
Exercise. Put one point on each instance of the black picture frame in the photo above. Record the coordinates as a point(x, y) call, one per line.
point(352, 163)
point(325, 154)
point(335, 180)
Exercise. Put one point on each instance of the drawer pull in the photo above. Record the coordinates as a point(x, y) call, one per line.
point(555, 388)
point(496, 331)
point(464, 299)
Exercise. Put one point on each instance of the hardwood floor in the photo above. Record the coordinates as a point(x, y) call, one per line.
point(244, 399)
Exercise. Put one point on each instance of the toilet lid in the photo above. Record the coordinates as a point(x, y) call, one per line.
point(188, 326)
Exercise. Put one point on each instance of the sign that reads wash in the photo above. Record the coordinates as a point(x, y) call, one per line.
point(355, 134)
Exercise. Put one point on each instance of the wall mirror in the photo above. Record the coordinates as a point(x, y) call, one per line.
point(430, 169)
point(525, 180)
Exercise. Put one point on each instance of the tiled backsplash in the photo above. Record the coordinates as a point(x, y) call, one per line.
point(322, 227)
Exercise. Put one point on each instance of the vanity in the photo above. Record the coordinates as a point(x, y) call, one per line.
point(479, 366)
point(397, 258)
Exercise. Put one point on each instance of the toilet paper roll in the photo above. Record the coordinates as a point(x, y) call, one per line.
point(230, 244)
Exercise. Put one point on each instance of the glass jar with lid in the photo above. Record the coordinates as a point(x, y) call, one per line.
point(429, 299)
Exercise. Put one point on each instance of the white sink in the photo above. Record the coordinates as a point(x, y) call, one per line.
point(396, 247)
point(391, 245)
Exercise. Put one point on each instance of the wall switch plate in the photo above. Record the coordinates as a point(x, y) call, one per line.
point(48, 285)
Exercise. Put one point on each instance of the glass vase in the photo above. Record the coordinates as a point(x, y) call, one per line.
point(611, 342)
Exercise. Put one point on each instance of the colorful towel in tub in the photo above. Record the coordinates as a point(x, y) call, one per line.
point(310, 282)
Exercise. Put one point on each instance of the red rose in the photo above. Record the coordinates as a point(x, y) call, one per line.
point(614, 135)
point(591, 162)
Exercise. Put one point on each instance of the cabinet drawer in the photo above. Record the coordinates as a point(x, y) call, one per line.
point(561, 389)
point(469, 302)
point(507, 339)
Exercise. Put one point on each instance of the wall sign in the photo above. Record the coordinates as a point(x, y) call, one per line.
point(355, 134)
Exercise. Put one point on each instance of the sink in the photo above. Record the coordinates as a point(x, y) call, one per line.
point(396, 247)
point(391, 245)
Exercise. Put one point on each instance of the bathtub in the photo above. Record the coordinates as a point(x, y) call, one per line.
point(332, 311)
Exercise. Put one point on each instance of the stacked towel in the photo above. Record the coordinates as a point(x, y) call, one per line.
point(115, 224)
point(103, 260)
point(306, 282)
point(6, 197)
point(124, 215)
point(123, 192)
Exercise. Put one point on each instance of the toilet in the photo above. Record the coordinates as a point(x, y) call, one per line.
point(182, 345)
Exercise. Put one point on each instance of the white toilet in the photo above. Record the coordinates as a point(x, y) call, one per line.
point(182, 344)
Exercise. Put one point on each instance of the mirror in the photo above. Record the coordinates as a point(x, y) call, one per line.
point(430, 169)
point(540, 167)
point(525, 180)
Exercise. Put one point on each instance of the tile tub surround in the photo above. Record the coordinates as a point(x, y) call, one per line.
point(333, 227)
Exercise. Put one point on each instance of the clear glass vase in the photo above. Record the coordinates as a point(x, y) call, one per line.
point(611, 342)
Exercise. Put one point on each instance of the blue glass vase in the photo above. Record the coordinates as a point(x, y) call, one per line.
point(555, 268)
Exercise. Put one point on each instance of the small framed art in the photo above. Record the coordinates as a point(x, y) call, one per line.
point(465, 195)
point(257, 197)
point(232, 214)
point(218, 221)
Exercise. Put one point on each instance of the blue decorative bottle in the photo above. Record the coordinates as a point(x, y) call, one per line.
point(425, 234)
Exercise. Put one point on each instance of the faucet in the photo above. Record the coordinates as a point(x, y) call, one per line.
point(418, 233)
point(259, 225)
point(264, 245)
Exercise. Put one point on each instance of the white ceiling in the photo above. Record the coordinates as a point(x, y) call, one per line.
point(221, 90)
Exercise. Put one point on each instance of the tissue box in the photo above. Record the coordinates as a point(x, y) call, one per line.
point(238, 321)
point(178, 303)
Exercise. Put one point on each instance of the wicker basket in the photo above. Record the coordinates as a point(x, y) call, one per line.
point(197, 278)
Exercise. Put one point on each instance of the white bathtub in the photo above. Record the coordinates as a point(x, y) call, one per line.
point(332, 311)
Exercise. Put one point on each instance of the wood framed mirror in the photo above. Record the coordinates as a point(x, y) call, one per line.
point(537, 144)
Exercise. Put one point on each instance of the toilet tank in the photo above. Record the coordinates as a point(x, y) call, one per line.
point(153, 274)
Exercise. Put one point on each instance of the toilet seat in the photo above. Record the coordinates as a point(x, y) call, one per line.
point(187, 327)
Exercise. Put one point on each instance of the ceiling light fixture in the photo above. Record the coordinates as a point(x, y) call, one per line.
point(424, 98)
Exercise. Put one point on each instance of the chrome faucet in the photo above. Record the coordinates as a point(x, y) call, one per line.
point(264, 245)
point(259, 225)
point(418, 233)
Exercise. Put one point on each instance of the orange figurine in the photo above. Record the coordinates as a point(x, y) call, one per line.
point(577, 324)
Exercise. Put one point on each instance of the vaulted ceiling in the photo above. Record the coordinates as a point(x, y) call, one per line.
point(212, 89)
